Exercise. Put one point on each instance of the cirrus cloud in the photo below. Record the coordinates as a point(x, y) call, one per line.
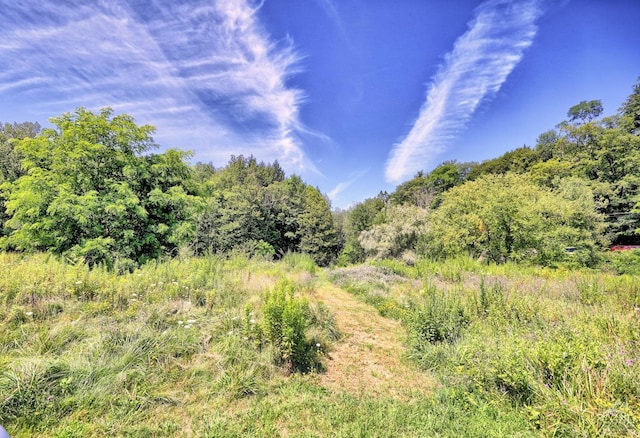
point(473, 71)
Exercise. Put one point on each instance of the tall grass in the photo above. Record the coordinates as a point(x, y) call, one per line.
point(562, 347)
point(122, 348)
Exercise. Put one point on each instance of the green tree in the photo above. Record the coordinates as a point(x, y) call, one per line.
point(425, 190)
point(585, 111)
point(318, 234)
point(90, 191)
point(630, 111)
point(399, 235)
point(360, 218)
point(519, 160)
point(10, 158)
point(507, 217)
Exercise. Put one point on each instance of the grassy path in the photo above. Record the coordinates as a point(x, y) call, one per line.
point(368, 358)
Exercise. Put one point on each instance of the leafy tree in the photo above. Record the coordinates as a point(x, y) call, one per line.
point(252, 206)
point(507, 217)
point(518, 160)
point(10, 159)
point(399, 235)
point(630, 111)
point(90, 191)
point(360, 218)
point(425, 190)
point(585, 111)
point(318, 234)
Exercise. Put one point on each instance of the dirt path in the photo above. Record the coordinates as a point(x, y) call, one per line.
point(368, 358)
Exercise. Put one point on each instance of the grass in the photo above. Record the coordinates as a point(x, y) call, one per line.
point(186, 347)
point(561, 348)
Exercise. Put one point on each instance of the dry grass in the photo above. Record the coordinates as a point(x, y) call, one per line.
point(368, 358)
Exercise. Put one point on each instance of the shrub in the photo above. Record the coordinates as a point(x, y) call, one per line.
point(439, 319)
point(285, 321)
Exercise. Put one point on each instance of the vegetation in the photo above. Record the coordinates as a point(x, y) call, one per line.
point(558, 348)
point(143, 295)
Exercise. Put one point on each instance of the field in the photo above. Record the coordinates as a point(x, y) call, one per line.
point(226, 347)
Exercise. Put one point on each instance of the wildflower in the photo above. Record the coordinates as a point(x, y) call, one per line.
point(252, 321)
point(235, 318)
point(629, 362)
point(134, 295)
point(180, 322)
point(188, 326)
point(133, 300)
point(28, 313)
point(190, 321)
point(230, 332)
point(318, 344)
point(78, 282)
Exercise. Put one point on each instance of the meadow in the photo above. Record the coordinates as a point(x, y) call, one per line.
point(229, 346)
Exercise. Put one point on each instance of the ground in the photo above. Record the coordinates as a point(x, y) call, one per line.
point(368, 359)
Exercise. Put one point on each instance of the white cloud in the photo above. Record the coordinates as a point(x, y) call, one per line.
point(205, 73)
point(474, 70)
point(342, 186)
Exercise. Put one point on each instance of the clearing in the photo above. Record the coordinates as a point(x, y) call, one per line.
point(368, 359)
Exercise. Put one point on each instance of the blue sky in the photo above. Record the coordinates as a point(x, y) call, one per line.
point(353, 95)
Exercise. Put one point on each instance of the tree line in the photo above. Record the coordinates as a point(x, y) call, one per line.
point(576, 192)
point(92, 188)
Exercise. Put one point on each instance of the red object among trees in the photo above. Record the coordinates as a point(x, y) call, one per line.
point(624, 247)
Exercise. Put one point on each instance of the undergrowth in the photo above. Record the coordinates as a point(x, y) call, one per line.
point(561, 348)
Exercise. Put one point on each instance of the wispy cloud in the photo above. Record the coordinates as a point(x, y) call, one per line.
point(330, 9)
point(335, 193)
point(473, 71)
point(205, 73)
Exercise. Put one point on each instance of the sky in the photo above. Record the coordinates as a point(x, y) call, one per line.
point(355, 96)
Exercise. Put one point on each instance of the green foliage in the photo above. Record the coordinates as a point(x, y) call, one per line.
point(361, 217)
point(399, 234)
point(285, 321)
point(425, 190)
point(90, 192)
point(318, 235)
point(507, 217)
point(630, 111)
point(585, 111)
point(250, 202)
point(519, 160)
point(439, 319)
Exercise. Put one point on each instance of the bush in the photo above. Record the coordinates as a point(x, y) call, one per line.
point(440, 319)
point(285, 321)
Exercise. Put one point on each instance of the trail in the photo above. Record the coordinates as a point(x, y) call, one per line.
point(368, 358)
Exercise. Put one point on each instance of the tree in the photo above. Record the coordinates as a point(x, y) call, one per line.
point(518, 160)
point(585, 111)
point(91, 192)
point(399, 235)
point(506, 217)
point(10, 159)
point(630, 111)
point(425, 190)
point(360, 218)
point(318, 234)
